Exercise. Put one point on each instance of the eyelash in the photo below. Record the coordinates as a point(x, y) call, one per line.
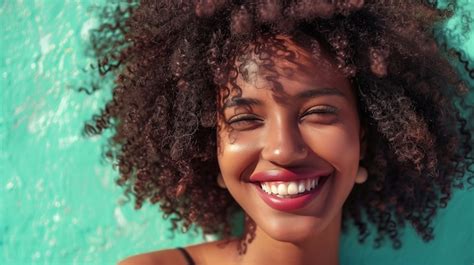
point(324, 110)
point(245, 119)
point(241, 119)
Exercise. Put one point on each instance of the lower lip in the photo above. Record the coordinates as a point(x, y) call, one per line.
point(290, 204)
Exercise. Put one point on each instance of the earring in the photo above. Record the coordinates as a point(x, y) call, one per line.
point(220, 181)
point(362, 175)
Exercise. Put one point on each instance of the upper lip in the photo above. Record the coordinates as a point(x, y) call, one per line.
point(287, 175)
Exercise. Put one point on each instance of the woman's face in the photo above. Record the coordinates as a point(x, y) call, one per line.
point(288, 137)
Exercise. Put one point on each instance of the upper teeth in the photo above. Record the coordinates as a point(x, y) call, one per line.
point(289, 188)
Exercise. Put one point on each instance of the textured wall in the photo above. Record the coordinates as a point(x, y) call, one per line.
point(58, 202)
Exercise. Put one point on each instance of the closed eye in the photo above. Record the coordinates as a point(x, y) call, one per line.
point(321, 110)
point(324, 114)
point(244, 122)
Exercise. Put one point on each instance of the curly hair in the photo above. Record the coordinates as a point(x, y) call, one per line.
point(170, 58)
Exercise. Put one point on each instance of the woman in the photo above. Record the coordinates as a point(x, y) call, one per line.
point(302, 114)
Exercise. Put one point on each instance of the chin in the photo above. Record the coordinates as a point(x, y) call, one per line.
point(291, 237)
point(293, 233)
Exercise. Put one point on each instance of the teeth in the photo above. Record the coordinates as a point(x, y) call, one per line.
point(274, 189)
point(289, 188)
point(292, 188)
point(308, 184)
point(301, 187)
point(282, 189)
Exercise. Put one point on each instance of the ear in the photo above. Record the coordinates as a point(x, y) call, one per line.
point(363, 141)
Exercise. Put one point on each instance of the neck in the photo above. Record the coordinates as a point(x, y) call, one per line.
point(319, 249)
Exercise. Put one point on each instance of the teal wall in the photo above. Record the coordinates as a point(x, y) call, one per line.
point(58, 201)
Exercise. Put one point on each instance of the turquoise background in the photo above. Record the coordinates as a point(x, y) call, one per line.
point(58, 200)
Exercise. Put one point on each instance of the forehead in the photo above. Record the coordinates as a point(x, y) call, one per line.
point(283, 67)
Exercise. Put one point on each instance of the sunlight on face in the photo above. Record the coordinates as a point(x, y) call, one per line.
point(292, 113)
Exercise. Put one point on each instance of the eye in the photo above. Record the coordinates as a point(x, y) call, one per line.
point(321, 110)
point(324, 114)
point(244, 122)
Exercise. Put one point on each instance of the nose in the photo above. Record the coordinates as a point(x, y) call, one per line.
point(284, 144)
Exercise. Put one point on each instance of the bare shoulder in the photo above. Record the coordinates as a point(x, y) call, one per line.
point(204, 253)
point(216, 252)
point(161, 257)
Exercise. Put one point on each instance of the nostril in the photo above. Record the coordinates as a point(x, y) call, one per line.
point(285, 156)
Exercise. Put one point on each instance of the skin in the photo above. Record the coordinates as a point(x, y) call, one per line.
point(281, 129)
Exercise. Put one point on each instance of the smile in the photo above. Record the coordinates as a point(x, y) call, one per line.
point(289, 189)
point(295, 192)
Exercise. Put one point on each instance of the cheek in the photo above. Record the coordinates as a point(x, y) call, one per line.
point(237, 160)
point(237, 156)
point(338, 146)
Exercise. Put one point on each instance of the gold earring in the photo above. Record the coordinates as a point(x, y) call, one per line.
point(362, 175)
point(220, 181)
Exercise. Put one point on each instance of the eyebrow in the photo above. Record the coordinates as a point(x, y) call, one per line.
point(239, 101)
point(311, 93)
point(318, 92)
